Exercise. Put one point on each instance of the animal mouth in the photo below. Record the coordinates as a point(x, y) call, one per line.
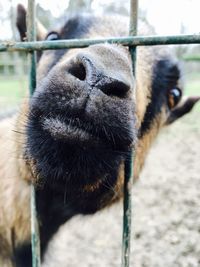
point(70, 130)
point(79, 131)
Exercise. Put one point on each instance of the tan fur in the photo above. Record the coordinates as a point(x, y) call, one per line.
point(145, 143)
point(14, 192)
point(41, 30)
point(118, 189)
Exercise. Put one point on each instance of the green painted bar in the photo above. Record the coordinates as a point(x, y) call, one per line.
point(31, 34)
point(35, 241)
point(126, 238)
point(128, 179)
point(79, 43)
point(133, 17)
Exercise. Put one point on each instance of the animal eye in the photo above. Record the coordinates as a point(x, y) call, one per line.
point(52, 36)
point(174, 97)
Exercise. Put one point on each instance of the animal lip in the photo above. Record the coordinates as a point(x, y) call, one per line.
point(59, 129)
point(77, 130)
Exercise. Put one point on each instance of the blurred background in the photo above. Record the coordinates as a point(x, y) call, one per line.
point(166, 17)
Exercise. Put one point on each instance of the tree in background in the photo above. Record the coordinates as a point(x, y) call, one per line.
point(45, 16)
point(79, 5)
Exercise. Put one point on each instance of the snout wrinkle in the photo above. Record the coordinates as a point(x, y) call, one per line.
point(85, 70)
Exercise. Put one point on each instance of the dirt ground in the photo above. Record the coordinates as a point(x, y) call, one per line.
point(166, 212)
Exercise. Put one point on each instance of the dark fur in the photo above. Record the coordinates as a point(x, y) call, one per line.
point(166, 75)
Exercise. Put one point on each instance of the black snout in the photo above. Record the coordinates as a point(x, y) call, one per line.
point(84, 69)
point(86, 100)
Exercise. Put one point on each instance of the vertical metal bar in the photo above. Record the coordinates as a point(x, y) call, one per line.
point(128, 180)
point(35, 240)
point(127, 212)
point(133, 17)
point(133, 29)
point(31, 35)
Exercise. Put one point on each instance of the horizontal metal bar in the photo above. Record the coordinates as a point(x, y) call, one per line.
point(79, 43)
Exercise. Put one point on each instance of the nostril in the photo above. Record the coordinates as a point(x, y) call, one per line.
point(78, 70)
point(114, 88)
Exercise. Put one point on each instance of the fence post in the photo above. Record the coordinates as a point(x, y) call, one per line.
point(128, 180)
point(31, 35)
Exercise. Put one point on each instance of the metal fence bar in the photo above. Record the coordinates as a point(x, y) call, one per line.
point(133, 17)
point(31, 35)
point(128, 171)
point(80, 43)
point(35, 239)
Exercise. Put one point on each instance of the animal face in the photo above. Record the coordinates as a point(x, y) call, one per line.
point(82, 98)
point(83, 114)
point(88, 112)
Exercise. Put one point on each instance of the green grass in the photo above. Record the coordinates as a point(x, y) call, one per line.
point(192, 84)
point(12, 91)
point(192, 87)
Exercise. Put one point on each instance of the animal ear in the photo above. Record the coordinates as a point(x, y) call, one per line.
point(21, 25)
point(185, 106)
